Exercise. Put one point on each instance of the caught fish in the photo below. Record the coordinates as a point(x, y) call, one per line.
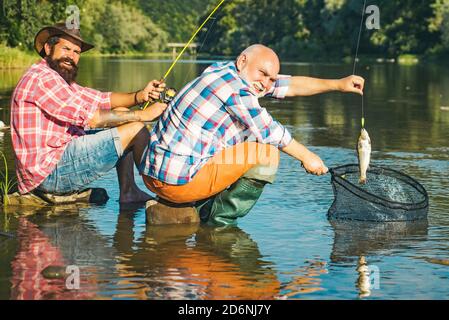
point(364, 154)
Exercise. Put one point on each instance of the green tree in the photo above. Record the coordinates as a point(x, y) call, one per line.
point(179, 18)
point(405, 27)
point(113, 26)
point(22, 19)
point(440, 23)
point(296, 29)
point(301, 28)
point(334, 27)
point(124, 28)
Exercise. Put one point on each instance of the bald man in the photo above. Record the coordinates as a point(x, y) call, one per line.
point(216, 148)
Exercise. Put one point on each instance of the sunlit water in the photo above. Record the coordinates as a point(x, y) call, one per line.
point(285, 248)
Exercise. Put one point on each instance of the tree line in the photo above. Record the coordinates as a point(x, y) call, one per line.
point(294, 28)
point(314, 28)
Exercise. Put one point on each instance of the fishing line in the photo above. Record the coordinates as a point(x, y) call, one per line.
point(201, 47)
point(187, 45)
point(356, 59)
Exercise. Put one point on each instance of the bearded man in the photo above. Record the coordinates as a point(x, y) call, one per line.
point(50, 112)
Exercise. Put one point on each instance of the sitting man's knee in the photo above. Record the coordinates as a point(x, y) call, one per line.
point(265, 173)
point(137, 126)
point(266, 164)
point(132, 129)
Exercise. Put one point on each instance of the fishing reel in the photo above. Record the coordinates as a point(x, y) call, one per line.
point(168, 95)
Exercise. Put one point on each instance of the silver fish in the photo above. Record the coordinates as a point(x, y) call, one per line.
point(364, 153)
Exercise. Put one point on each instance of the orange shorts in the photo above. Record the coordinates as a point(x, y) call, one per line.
point(222, 170)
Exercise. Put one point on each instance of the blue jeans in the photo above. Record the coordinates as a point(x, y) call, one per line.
point(84, 160)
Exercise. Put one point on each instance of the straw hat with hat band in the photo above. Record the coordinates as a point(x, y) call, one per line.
point(59, 29)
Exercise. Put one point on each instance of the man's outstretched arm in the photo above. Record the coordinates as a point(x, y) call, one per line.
point(310, 161)
point(307, 86)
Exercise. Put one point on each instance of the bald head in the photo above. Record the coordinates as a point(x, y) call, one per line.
point(259, 66)
point(261, 51)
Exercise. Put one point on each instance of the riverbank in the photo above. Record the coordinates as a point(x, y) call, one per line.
point(14, 58)
point(94, 53)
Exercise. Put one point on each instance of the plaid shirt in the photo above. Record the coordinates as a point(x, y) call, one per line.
point(215, 111)
point(46, 114)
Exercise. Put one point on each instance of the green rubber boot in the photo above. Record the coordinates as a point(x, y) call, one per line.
point(233, 203)
point(236, 201)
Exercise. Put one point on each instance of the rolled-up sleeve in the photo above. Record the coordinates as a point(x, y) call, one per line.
point(101, 99)
point(280, 87)
point(77, 107)
point(246, 109)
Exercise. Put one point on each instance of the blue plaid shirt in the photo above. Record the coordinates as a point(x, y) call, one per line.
point(215, 111)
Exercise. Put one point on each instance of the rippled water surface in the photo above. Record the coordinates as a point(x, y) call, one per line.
point(285, 248)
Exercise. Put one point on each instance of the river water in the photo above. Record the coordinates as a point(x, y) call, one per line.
point(285, 248)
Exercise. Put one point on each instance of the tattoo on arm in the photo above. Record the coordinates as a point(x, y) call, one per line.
point(114, 118)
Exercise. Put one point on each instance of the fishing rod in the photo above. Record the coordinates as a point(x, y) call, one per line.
point(170, 93)
point(356, 60)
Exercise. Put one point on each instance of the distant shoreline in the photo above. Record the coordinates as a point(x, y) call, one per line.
point(15, 58)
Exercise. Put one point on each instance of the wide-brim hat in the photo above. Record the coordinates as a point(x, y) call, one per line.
point(58, 29)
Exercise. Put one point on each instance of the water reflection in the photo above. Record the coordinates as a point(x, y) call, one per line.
point(356, 241)
point(363, 281)
point(191, 262)
point(353, 239)
point(164, 262)
point(120, 258)
point(35, 253)
point(409, 98)
point(54, 238)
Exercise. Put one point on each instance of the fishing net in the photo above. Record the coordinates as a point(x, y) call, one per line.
point(388, 195)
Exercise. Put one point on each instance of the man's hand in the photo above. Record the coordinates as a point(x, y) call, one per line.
point(151, 92)
point(310, 161)
point(153, 111)
point(313, 164)
point(354, 84)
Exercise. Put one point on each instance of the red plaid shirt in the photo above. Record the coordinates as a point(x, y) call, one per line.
point(46, 114)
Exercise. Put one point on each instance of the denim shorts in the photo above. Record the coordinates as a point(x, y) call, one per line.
point(84, 160)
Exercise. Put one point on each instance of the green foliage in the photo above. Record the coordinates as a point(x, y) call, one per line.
point(403, 30)
point(179, 18)
point(301, 28)
point(6, 183)
point(440, 23)
point(21, 19)
point(122, 28)
point(296, 29)
point(15, 58)
point(113, 26)
point(408, 59)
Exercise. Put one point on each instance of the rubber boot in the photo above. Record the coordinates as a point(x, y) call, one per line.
point(236, 201)
point(233, 203)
